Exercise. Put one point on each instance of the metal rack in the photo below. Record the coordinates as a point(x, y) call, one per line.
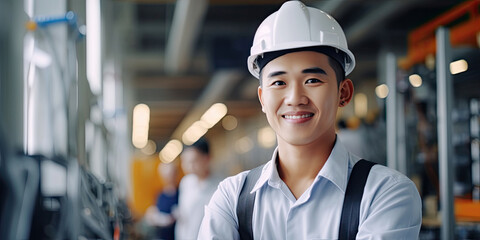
point(425, 42)
point(47, 187)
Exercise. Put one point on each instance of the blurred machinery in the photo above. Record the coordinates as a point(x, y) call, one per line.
point(48, 189)
point(438, 86)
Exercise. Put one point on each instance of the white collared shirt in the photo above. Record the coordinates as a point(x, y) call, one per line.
point(390, 208)
point(193, 196)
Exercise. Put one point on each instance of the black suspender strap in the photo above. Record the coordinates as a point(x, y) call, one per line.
point(353, 198)
point(245, 205)
point(350, 211)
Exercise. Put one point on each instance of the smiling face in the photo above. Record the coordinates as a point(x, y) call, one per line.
point(300, 96)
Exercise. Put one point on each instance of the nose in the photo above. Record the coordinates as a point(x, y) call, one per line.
point(296, 96)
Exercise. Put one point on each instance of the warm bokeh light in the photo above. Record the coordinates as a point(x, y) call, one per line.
point(150, 148)
point(478, 39)
point(415, 80)
point(141, 120)
point(430, 61)
point(211, 117)
point(214, 114)
point(360, 104)
point(243, 145)
point(171, 151)
point(229, 122)
point(194, 132)
point(381, 91)
point(266, 137)
point(458, 66)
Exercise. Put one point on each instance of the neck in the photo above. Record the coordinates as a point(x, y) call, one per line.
point(303, 161)
point(170, 188)
point(202, 176)
point(298, 165)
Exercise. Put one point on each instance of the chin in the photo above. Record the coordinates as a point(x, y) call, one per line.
point(298, 140)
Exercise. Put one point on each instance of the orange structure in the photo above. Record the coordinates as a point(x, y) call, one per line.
point(421, 41)
point(145, 184)
point(467, 210)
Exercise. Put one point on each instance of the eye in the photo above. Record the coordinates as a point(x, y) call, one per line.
point(278, 83)
point(313, 80)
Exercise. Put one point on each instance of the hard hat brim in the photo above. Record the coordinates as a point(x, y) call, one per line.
point(255, 70)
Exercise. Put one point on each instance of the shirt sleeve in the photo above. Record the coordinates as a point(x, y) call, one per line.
point(220, 219)
point(395, 212)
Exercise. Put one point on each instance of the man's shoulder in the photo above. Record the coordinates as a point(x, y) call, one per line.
point(229, 190)
point(234, 183)
point(386, 178)
point(187, 179)
point(391, 201)
point(384, 172)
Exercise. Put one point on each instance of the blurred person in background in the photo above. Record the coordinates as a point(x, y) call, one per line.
point(301, 57)
point(161, 215)
point(353, 135)
point(363, 137)
point(196, 189)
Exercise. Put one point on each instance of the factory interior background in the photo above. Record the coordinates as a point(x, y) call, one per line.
point(95, 94)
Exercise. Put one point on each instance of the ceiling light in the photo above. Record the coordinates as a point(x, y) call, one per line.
point(458, 66)
point(381, 91)
point(214, 114)
point(171, 151)
point(194, 132)
point(415, 80)
point(141, 120)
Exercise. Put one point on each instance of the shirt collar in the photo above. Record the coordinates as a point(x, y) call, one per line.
point(336, 169)
point(269, 173)
point(338, 166)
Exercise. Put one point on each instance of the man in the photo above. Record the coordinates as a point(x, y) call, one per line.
point(195, 190)
point(301, 57)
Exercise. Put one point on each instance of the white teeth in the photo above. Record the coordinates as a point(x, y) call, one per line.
point(298, 116)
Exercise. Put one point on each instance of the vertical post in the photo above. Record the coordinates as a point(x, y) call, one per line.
point(80, 111)
point(12, 32)
point(402, 165)
point(444, 123)
point(76, 119)
point(17, 174)
point(391, 109)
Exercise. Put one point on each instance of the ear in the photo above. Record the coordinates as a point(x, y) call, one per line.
point(259, 92)
point(345, 92)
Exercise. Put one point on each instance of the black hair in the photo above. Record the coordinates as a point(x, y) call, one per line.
point(339, 72)
point(201, 145)
point(334, 56)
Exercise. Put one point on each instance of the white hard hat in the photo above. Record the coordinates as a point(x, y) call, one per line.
point(294, 26)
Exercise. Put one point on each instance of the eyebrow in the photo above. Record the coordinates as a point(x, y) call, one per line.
point(277, 73)
point(316, 70)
